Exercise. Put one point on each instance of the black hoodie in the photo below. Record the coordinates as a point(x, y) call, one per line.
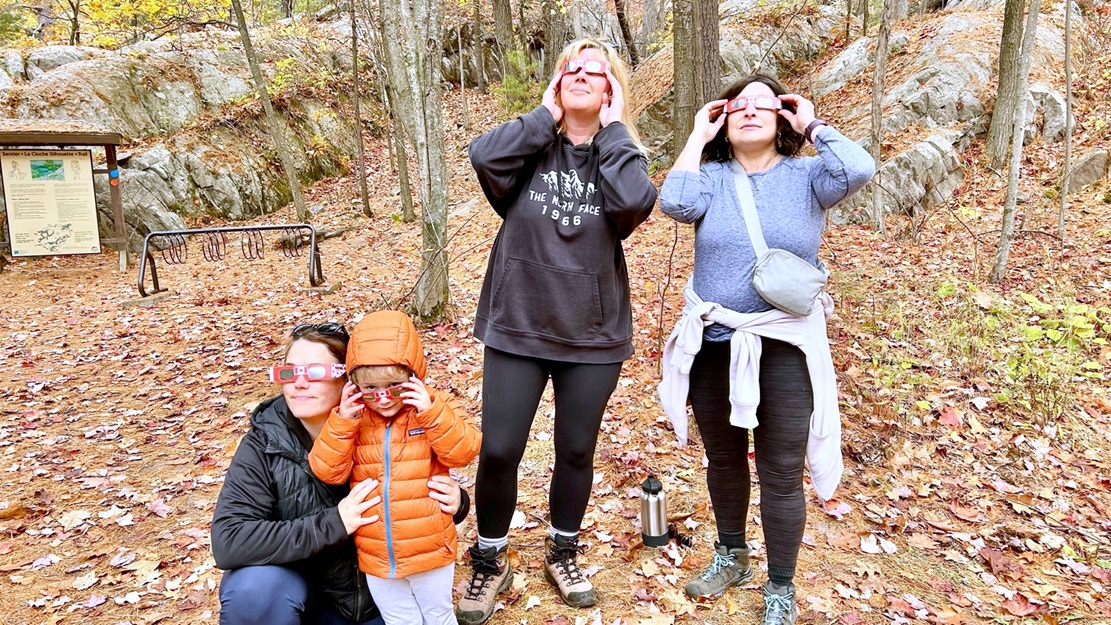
point(556, 285)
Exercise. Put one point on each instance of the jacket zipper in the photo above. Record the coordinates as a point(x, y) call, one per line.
point(386, 490)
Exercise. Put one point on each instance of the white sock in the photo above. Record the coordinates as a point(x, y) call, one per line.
point(497, 543)
point(552, 532)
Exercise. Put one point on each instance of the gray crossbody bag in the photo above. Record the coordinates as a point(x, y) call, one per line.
point(784, 280)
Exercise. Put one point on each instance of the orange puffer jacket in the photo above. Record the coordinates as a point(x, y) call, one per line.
point(402, 452)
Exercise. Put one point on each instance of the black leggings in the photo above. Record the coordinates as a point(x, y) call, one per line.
point(786, 403)
point(511, 390)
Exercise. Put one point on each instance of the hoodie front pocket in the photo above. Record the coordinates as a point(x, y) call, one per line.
point(533, 298)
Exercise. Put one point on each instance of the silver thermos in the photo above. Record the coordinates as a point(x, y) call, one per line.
point(653, 513)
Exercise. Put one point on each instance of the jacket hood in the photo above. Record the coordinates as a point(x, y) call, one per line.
point(386, 337)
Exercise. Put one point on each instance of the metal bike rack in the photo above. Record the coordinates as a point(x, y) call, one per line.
point(214, 246)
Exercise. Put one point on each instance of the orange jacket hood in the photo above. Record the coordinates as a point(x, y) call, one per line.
point(386, 337)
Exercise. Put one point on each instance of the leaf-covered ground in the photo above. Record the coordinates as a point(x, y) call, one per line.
point(977, 417)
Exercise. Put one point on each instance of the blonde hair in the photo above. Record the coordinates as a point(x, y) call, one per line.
point(377, 375)
point(617, 67)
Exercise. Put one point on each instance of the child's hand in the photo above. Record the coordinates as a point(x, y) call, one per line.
point(417, 395)
point(349, 406)
point(445, 491)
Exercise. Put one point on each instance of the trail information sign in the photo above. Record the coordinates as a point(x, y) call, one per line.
point(50, 202)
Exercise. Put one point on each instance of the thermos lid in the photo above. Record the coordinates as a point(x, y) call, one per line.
point(652, 486)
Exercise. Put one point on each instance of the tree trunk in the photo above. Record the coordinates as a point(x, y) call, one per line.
point(899, 11)
point(707, 60)
point(1008, 231)
point(408, 214)
point(556, 36)
point(75, 23)
point(877, 107)
point(1066, 170)
point(649, 23)
point(479, 47)
point(355, 81)
point(275, 124)
point(1008, 96)
point(287, 8)
point(626, 34)
point(399, 158)
point(503, 27)
point(685, 85)
point(415, 26)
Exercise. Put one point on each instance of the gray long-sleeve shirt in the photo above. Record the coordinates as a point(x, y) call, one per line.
point(791, 199)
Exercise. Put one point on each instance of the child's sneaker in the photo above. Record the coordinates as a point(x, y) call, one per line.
point(561, 571)
point(490, 575)
point(730, 567)
point(779, 605)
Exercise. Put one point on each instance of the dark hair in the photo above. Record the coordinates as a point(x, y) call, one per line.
point(787, 141)
point(331, 335)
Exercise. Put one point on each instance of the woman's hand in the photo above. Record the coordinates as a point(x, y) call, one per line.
point(549, 100)
point(417, 396)
point(613, 102)
point(704, 132)
point(445, 491)
point(358, 501)
point(349, 405)
point(704, 129)
point(804, 111)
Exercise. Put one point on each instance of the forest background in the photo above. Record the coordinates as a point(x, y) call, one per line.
point(975, 406)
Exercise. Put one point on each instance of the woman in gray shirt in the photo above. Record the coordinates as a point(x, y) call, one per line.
point(762, 128)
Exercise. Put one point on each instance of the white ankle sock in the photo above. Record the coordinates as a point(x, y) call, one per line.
point(497, 543)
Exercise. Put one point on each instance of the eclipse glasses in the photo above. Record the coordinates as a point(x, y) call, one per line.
point(288, 374)
point(386, 394)
point(590, 66)
point(766, 102)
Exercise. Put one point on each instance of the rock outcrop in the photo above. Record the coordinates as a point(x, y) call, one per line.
point(939, 87)
point(198, 143)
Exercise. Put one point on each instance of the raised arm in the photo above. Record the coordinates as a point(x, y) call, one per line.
point(845, 167)
point(685, 195)
point(626, 189)
point(453, 434)
point(333, 454)
point(500, 156)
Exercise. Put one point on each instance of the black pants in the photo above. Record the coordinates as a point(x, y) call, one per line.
point(786, 403)
point(511, 390)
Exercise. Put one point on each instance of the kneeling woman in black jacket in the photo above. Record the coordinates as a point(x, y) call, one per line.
point(282, 536)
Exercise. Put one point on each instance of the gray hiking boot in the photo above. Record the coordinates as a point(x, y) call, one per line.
point(561, 571)
point(730, 567)
point(779, 605)
point(490, 575)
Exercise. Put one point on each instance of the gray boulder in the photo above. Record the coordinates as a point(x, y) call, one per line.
point(47, 58)
point(925, 174)
point(12, 65)
point(1050, 104)
point(1090, 167)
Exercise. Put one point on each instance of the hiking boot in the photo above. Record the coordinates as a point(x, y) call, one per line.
point(729, 567)
point(779, 605)
point(490, 575)
point(561, 571)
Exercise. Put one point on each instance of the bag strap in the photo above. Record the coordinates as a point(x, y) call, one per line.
point(748, 209)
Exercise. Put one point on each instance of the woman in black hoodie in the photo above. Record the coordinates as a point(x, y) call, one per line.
point(570, 181)
point(283, 536)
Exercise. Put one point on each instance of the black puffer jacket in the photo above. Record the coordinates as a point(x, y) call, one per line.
point(272, 510)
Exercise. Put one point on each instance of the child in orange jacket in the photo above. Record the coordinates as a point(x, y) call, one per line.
point(392, 428)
